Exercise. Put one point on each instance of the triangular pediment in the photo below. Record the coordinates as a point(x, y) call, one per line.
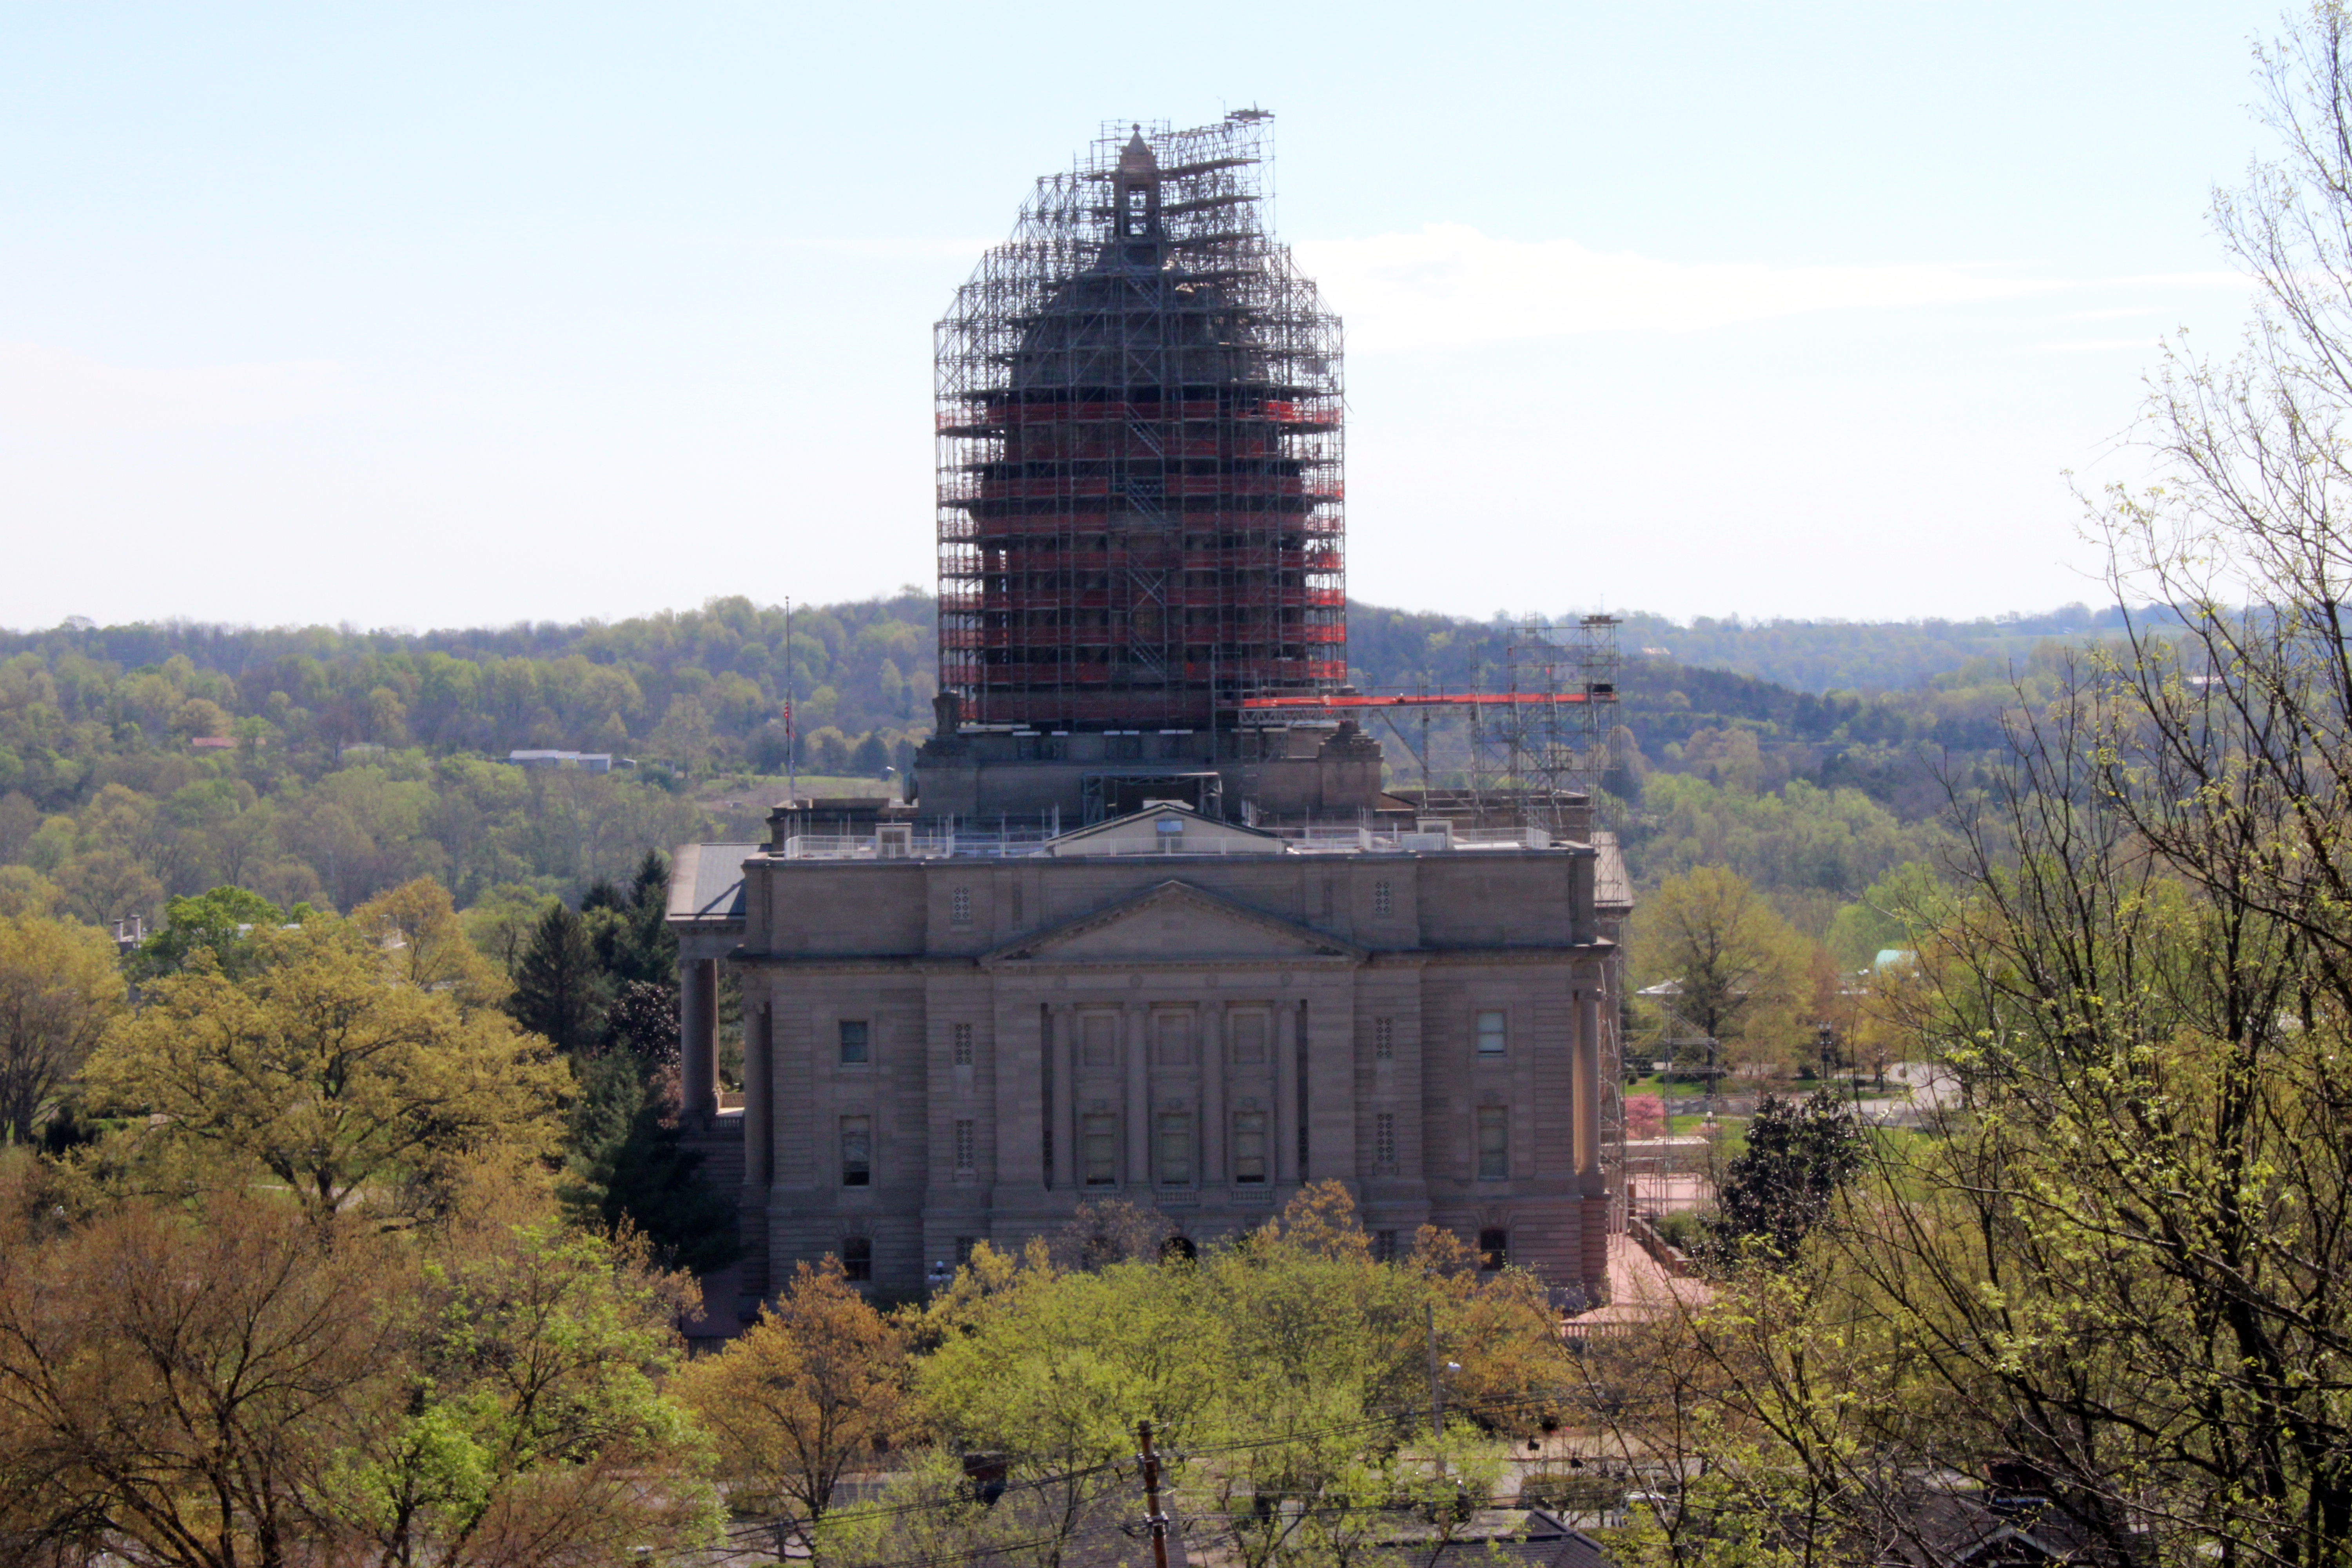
point(1167, 829)
point(1174, 923)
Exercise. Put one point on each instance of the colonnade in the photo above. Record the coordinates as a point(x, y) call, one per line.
point(1210, 1074)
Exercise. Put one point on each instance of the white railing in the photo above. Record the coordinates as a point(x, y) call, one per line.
point(1020, 844)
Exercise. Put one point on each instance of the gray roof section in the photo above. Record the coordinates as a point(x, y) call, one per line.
point(706, 881)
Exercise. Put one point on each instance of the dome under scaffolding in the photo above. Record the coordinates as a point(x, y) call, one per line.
point(1140, 465)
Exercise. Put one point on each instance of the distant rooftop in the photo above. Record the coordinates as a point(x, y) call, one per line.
point(587, 761)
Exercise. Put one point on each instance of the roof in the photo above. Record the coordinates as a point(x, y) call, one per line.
point(1960, 1529)
point(706, 881)
point(1499, 1536)
point(1166, 830)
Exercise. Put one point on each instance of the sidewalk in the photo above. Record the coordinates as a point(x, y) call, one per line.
point(1639, 1291)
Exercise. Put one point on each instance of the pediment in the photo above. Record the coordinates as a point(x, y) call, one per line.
point(1174, 923)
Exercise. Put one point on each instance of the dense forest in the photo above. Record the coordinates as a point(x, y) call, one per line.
point(322, 766)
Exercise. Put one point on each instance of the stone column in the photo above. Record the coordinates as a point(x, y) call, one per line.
point(697, 1035)
point(1062, 1113)
point(758, 1098)
point(1588, 1093)
point(1138, 1096)
point(1285, 1025)
point(1303, 1138)
point(1213, 1093)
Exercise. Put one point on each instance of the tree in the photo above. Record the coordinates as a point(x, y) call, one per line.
point(60, 990)
point(1292, 1353)
point(500, 923)
point(221, 922)
point(628, 1164)
point(817, 1386)
point(559, 991)
point(532, 1424)
point(417, 925)
point(1737, 968)
point(234, 1384)
point(326, 1069)
point(1799, 1154)
point(643, 1022)
point(175, 1388)
point(2117, 1270)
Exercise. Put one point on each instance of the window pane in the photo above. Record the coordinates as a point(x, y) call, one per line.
point(1384, 1040)
point(1175, 1149)
point(966, 1145)
point(963, 1045)
point(857, 1150)
point(1494, 1143)
point(1099, 1134)
point(854, 1040)
point(1384, 1137)
point(1249, 1145)
point(858, 1257)
point(1490, 1034)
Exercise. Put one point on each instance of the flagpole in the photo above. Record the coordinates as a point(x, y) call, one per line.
point(792, 737)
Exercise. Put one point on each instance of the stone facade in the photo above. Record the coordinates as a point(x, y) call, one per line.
point(942, 1047)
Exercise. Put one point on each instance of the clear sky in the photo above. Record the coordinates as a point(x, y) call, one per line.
point(433, 314)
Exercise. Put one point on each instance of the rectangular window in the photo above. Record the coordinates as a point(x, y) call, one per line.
point(1492, 1035)
point(1384, 1137)
point(1175, 1039)
point(963, 1245)
point(1249, 1038)
point(960, 905)
point(1493, 1142)
point(1249, 1145)
point(1494, 1249)
point(1384, 1246)
point(1384, 1040)
point(967, 1143)
point(963, 1045)
point(1383, 900)
point(857, 1150)
point(856, 1038)
point(1175, 1149)
point(857, 1258)
point(1098, 1134)
point(1098, 1037)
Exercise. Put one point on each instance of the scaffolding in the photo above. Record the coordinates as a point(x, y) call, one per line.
point(1139, 448)
point(1534, 755)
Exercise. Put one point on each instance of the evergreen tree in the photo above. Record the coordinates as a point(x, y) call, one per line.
point(1799, 1152)
point(629, 926)
point(642, 1022)
point(627, 1161)
point(560, 988)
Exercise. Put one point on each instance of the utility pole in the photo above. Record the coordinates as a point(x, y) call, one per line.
point(1153, 1516)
